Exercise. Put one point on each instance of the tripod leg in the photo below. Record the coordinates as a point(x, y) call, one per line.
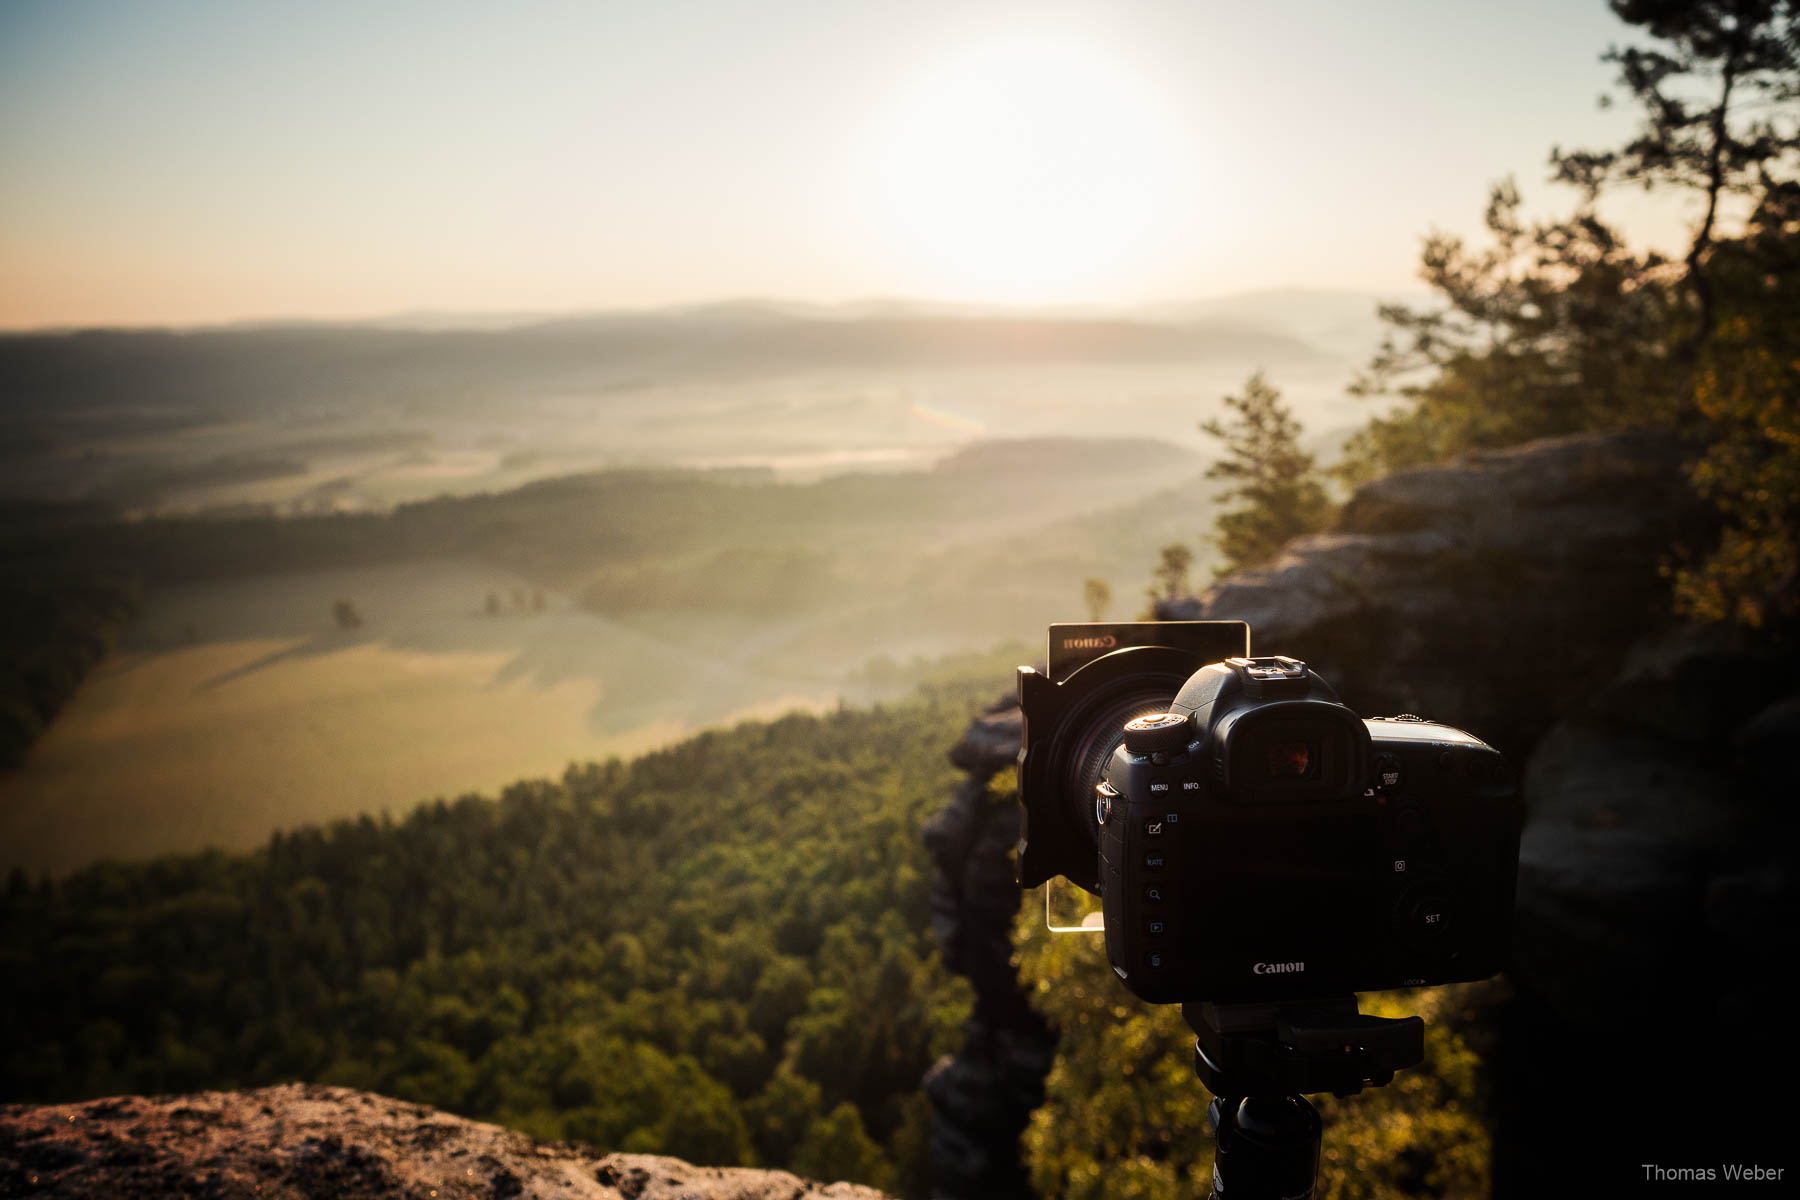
point(1268, 1147)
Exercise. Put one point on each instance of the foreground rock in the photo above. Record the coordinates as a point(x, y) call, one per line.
point(307, 1142)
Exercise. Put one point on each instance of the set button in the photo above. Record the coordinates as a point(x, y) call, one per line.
point(1426, 915)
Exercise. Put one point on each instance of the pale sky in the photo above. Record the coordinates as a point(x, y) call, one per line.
point(190, 161)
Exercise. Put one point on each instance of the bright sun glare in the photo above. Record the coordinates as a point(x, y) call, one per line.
point(1028, 169)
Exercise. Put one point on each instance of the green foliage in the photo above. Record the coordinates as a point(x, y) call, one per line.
point(1749, 391)
point(1558, 328)
point(719, 952)
point(57, 621)
point(836, 1147)
point(1170, 579)
point(1716, 95)
point(1096, 595)
point(1549, 329)
point(1125, 1117)
point(1277, 492)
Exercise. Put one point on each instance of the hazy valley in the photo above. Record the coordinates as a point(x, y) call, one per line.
point(381, 564)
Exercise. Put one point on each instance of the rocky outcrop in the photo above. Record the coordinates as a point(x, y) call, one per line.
point(1662, 814)
point(1656, 910)
point(983, 1095)
point(1494, 592)
point(306, 1142)
point(1519, 594)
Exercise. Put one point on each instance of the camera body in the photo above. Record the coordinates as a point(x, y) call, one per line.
point(1258, 842)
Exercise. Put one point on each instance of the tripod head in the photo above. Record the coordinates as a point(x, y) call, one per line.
point(1259, 1060)
point(1305, 1047)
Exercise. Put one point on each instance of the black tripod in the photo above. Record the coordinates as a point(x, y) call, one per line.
point(1259, 1061)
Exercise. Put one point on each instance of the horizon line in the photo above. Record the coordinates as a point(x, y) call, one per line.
point(454, 320)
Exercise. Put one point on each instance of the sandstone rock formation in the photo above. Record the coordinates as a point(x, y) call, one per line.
point(983, 1096)
point(1656, 910)
point(1494, 592)
point(306, 1142)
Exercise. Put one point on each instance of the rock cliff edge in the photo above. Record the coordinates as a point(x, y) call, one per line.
point(308, 1142)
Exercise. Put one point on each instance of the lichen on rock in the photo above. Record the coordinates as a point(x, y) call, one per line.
point(310, 1142)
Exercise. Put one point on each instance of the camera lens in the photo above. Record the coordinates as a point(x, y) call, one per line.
point(1072, 729)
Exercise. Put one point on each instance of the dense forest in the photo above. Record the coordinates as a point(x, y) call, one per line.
point(718, 952)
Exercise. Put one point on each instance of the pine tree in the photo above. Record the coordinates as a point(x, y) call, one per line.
point(1277, 491)
point(1096, 594)
point(1170, 579)
point(1717, 91)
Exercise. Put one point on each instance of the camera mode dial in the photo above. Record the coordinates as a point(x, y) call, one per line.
point(1157, 733)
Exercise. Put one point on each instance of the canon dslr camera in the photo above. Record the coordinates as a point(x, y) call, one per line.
point(1251, 838)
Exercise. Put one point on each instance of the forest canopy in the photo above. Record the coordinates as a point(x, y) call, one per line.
point(719, 951)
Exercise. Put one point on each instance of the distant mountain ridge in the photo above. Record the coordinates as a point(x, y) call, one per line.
point(209, 368)
point(311, 417)
point(1262, 303)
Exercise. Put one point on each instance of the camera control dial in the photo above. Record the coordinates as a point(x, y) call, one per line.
point(1157, 733)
